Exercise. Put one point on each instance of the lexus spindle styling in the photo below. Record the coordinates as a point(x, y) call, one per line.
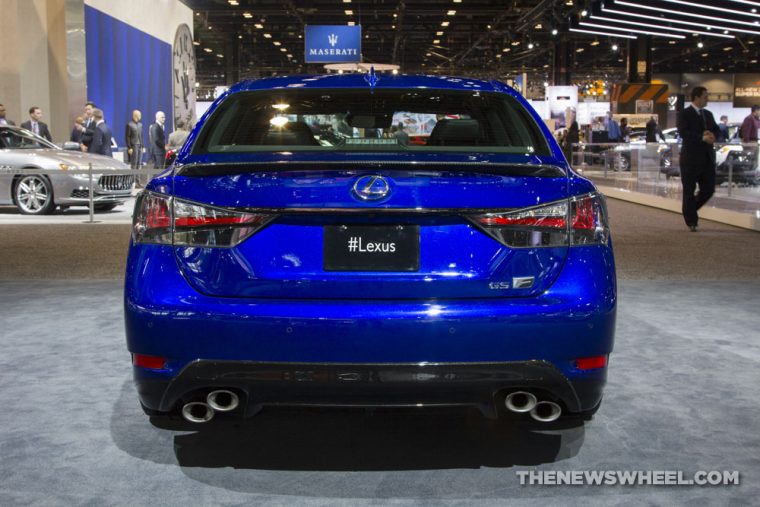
point(356, 240)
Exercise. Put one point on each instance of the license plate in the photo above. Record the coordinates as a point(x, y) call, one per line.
point(372, 248)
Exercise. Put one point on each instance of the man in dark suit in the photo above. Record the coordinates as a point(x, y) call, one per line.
point(35, 124)
point(89, 126)
point(158, 141)
point(134, 138)
point(101, 136)
point(3, 119)
point(698, 130)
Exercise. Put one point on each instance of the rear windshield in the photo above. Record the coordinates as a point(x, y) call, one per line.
point(364, 120)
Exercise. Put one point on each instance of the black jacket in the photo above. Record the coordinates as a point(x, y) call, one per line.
point(43, 129)
point(101, 140)
point(157, 139)
point(694, 151)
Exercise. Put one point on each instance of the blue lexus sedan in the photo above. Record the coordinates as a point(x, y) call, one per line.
point(370, 240)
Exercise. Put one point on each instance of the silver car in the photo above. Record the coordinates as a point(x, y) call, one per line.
point(23, 154)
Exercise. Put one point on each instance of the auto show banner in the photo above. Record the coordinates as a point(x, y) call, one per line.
point(333, 44)
point(746, 90)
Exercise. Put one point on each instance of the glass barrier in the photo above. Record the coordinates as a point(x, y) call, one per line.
point(654, 169)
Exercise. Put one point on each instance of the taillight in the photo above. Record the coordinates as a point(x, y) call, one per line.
point(576, 221)
point(167, 220)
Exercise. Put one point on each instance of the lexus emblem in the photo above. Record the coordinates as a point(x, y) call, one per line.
point(371, 188)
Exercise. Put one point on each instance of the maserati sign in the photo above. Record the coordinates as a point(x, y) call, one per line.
point(333, 44)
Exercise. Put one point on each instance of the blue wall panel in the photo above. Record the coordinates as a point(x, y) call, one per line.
point(127, 69)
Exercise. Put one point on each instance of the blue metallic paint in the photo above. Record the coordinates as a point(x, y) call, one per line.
point(169, 311)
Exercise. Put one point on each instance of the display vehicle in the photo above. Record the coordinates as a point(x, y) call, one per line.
point(37, 176)
point(301, 251)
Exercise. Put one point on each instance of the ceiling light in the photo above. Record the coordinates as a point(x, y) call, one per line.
point(196, 43)
point(210, 27)
point(349, 12)
point(394, 72)
point(439, 33)
point(351, 23)
point(705, 55)
point(530, 45)
point(427, 54)
point(506, 50)
point(595, 43)
point(538, 26)
point(457, 1)
point(700, 45)
point(630, 30)
point(515, 42)
point(670, 20)
point(681, 13)
point(233, 2)
point(240, 36)
point(247, 15)
point(498, 56)
point(444, 24)
point(555, 31)
point(703, 6)
point(569, 2)
point(437, 41)
point(584, 13)
point(267, 35)
point(579, 50)
point(727, 48)
point(346, 1)
point(276, 43)
point(259, 26)
point(659, 27)
point(208, 50)
point(451, 13)
point(219, 55)
point(614, 47)
point(283, 50)
point(289, 55)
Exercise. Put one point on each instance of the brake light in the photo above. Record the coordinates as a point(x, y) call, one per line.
point(166, 220)
point(150, 362)
point(576, 221)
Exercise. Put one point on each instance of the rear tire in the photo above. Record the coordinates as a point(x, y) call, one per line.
point(34, 195)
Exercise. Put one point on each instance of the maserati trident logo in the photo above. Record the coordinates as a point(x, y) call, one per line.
point(332, 39)
point(371, 187)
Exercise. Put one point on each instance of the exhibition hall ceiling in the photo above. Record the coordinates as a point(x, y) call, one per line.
point(237, 39)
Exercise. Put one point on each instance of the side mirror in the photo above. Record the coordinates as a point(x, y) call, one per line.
point(71, 146)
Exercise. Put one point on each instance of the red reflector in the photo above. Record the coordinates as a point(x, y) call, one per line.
point(591, 363)
point(152, 362)
point(213, 221)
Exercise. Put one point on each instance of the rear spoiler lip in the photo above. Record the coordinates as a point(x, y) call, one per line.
point(503, 168)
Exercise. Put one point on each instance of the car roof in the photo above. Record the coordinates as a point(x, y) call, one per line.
point(384, 80)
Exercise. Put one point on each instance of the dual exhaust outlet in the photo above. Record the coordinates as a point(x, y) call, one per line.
point(543, 411)
point(221, 400)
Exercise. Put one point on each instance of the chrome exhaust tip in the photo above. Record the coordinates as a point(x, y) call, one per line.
point(222, 400)
point(546, 411)
point(197, 412)
point(520, 401)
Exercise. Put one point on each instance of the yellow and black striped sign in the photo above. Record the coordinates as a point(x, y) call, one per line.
point(630, 93)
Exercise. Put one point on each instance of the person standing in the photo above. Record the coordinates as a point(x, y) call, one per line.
point(3, 119)
point(613, 129)
point(402, 137)
point(134, 139)
point(722, 136)
point(653, 131)
point(750, 125)
point(77, 130)
point(178, 137)
point(572, 136)
point(36, 125)
point(625, 131)
point(698, 130)
point(158, 141)
point(89, 126)
point(101, 136)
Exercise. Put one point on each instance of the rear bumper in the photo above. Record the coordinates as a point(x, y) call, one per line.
point(319, 384)
point(473, 348)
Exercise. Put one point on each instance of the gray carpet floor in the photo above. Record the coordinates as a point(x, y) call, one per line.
point(682, 395)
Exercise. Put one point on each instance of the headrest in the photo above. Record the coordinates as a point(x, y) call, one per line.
point(455, 133)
